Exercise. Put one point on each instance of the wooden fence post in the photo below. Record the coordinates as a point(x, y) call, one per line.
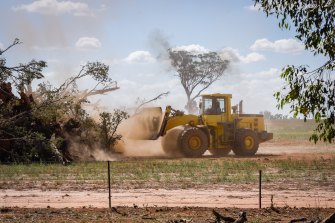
point(109, 185)
point(260, 189)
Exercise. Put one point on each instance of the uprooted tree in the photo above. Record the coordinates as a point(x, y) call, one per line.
point(37, 125)
point(309, 92)
point(196, 71)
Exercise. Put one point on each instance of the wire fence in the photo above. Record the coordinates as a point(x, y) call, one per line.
point(195, 182)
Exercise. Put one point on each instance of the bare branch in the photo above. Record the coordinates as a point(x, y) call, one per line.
point(16, 42)
point(99, 91)
point(151, 100)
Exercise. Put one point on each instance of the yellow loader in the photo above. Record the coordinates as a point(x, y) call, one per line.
point(219, 128)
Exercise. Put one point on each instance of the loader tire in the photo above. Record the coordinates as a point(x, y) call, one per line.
point(246, 143)
point(193, 142)
point(220, 152)
point(170, 142)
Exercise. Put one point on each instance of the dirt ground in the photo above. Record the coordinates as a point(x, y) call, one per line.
point(160, 214)
point(161, 205)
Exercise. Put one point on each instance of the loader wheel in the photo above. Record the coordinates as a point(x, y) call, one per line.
point(193, 142)
point(170, 142)
point(246, 143)
point(220, 152)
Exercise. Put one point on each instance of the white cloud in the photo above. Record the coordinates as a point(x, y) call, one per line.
point(88, 43)
point(281, 46)
point(140, 57)
point(227, 53)
point(256, 89)
point(55, 7)
point(252, 58)
point(193, 48)
point(234, 56)
point(253, 7)
point(230, 54)
point(111, 62)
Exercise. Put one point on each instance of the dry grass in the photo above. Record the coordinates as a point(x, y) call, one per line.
point(167, 173)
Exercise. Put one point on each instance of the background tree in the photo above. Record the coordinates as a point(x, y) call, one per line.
point(267, 114)
point(196, 71)
point(309, 92)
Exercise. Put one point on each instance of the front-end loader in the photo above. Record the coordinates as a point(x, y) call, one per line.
point(219, 128)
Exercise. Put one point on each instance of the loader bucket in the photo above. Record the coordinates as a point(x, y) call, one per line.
point(144, 125)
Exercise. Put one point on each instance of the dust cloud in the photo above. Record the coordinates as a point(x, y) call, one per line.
point(82, 152)
point(138, 134)
point(159, 44)
point(143, 125)
point(142, 148)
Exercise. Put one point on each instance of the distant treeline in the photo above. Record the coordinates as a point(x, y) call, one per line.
point(268, 115)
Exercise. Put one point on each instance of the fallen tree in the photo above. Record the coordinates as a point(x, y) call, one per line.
point(40, 125)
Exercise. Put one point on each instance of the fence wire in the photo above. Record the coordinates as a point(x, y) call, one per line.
point(169, 173)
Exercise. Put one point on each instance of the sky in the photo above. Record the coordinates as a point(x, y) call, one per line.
point(132, 36)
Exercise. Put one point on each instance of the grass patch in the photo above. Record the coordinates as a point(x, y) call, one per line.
point(184, 173)
point(291, 129)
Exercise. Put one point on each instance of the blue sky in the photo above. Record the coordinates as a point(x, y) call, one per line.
point(128, 35)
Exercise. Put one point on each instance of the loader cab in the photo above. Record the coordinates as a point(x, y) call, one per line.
point(213, 106)
point(216, 105)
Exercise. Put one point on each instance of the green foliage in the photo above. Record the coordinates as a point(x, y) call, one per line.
point(98, 71)
point(23, 136)
point(37, 125)
point(22, 74)
point(109, 123)
point(197, 71)
point(310, 93)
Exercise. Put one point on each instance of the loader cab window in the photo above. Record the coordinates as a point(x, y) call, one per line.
point(213, 106)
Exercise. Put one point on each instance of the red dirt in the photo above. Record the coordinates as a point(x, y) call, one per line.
point(220, 197)
point(158, 204)
point(158, 214)
point(239, 196)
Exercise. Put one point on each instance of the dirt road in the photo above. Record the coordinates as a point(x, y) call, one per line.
point(220, 197)
point(240, 196)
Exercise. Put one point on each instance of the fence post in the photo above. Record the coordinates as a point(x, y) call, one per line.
point(260, 189)
point(109, 185)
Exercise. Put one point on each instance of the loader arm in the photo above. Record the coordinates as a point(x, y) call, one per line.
point(173, 118)
point(164, 122)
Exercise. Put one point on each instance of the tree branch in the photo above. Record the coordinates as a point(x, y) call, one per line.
point(151, 100)
point(16, 42)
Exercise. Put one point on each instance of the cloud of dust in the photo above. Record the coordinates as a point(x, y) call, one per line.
point(159, 44)
point(142, 125)
point(138, 130)
point(83, 152)
point(144, 148)
point(136, 134)
point(52, 35)
point(77, 150)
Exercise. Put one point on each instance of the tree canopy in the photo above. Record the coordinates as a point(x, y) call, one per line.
point(309, 92)
point(197, 71)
